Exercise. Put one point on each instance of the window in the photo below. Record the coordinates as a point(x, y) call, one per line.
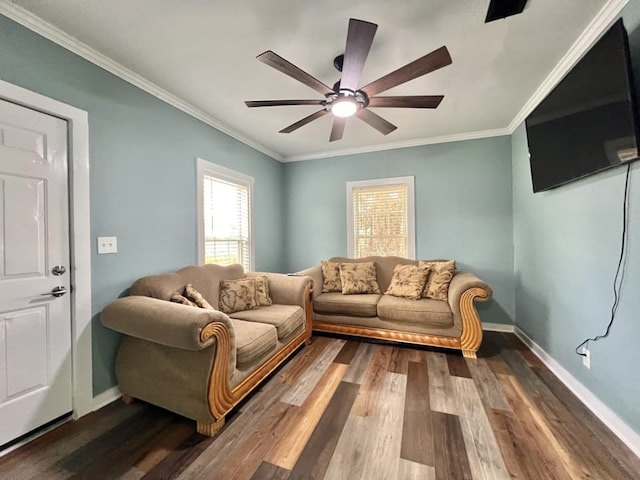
point(224, 216)
point(381, 218)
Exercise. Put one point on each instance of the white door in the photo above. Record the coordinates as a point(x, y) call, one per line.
point(35, 326)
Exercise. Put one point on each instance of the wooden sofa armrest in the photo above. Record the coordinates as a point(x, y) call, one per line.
point(465, 287)
point(163, 322)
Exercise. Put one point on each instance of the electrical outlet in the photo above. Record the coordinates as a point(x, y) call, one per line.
point(586, 360)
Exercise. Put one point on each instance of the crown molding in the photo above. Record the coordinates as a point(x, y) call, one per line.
point(457, 137)
point(50, 32)
point(605, 18)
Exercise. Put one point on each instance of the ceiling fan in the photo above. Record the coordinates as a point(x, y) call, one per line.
point(345, 98)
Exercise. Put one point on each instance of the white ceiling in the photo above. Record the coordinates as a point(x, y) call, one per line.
point(203, 52)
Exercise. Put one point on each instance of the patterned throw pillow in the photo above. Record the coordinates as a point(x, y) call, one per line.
point(196, 297)
point(331, 277)
point(178, 298)
point(359, 277)
point(262, 291)
point(440, 276)
point(408, 281)
point(237, 295)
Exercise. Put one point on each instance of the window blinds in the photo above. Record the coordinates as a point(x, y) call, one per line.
point(226, 222)
point(380, 220)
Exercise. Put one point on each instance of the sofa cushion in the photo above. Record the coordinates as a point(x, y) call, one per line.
point(358, 278)
point(177, 298)
point(439, 278)
point(196, 297)
point(286, 318)
point(425, 311)
point(237, 295)
point(408, 281)
point(331, 277)
point(206, 278)
point(254, 341)
point(361, 305)
point(262, 291)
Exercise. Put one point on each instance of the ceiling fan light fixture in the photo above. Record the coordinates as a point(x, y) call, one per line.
point(344, 107)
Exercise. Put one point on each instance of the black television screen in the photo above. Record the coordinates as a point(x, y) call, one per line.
point(588, 123)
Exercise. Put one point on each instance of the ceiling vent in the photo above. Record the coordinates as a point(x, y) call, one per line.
point(504, 8)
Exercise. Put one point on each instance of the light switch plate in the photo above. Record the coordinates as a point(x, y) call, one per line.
point(107, 245)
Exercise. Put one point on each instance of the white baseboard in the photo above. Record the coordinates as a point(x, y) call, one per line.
point(625, 433)
point(498, 327)
point(106, 397)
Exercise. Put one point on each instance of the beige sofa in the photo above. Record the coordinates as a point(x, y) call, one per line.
point(197, 362)
point(451, 324)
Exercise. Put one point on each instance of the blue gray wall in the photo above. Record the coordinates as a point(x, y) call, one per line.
point(143, 178)
point(567, 245)
point(463, 208)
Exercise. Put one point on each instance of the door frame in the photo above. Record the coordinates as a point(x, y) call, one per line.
point(79, 235)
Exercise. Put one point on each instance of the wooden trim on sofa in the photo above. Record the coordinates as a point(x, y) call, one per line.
point(221, 397)
point(471, 337)
point(394, 335)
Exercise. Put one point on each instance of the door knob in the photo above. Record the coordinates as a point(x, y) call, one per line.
point(56, 292)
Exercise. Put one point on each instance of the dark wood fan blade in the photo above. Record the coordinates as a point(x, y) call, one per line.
point(278, 103)
point(417, 101)
point(376, 121)
point(359, 40)
point(276, 61)
point(431, 61)
point(337, 130)
point(304, 121)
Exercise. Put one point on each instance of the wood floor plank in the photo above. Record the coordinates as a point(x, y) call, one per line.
point(450, 453)
point(483, 451)
point(267, 471)
point(298, 365)
point(440, 388)
point(301, 389)
point(358, 366)
point(352, 450)
point(521, 455)
point(162, 445)
point(552, 457)
point(317, 453)
point(246, 459)
point(39, 455)
point(359, 455)
point(488, 386)
point(172, 466)
point(301, 423)
point(399, 362)
point(117, 454)
point(595, 461)
point(526, 377)
point(385, 452)
point(457, 366)
point(591, 424)
point(367, 400)
point(348, 352)
point(417, 434)
point(408, 470)
point(417, 355)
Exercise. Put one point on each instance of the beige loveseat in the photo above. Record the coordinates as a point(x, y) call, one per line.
point(452, 324)
point(199, 362)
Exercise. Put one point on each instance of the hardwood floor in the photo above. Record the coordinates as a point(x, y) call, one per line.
point(342, 409)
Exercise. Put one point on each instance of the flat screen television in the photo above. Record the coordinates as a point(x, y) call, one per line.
point(589, 121)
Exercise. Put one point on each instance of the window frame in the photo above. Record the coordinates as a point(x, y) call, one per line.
point(409, 183)
point(205, 167)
